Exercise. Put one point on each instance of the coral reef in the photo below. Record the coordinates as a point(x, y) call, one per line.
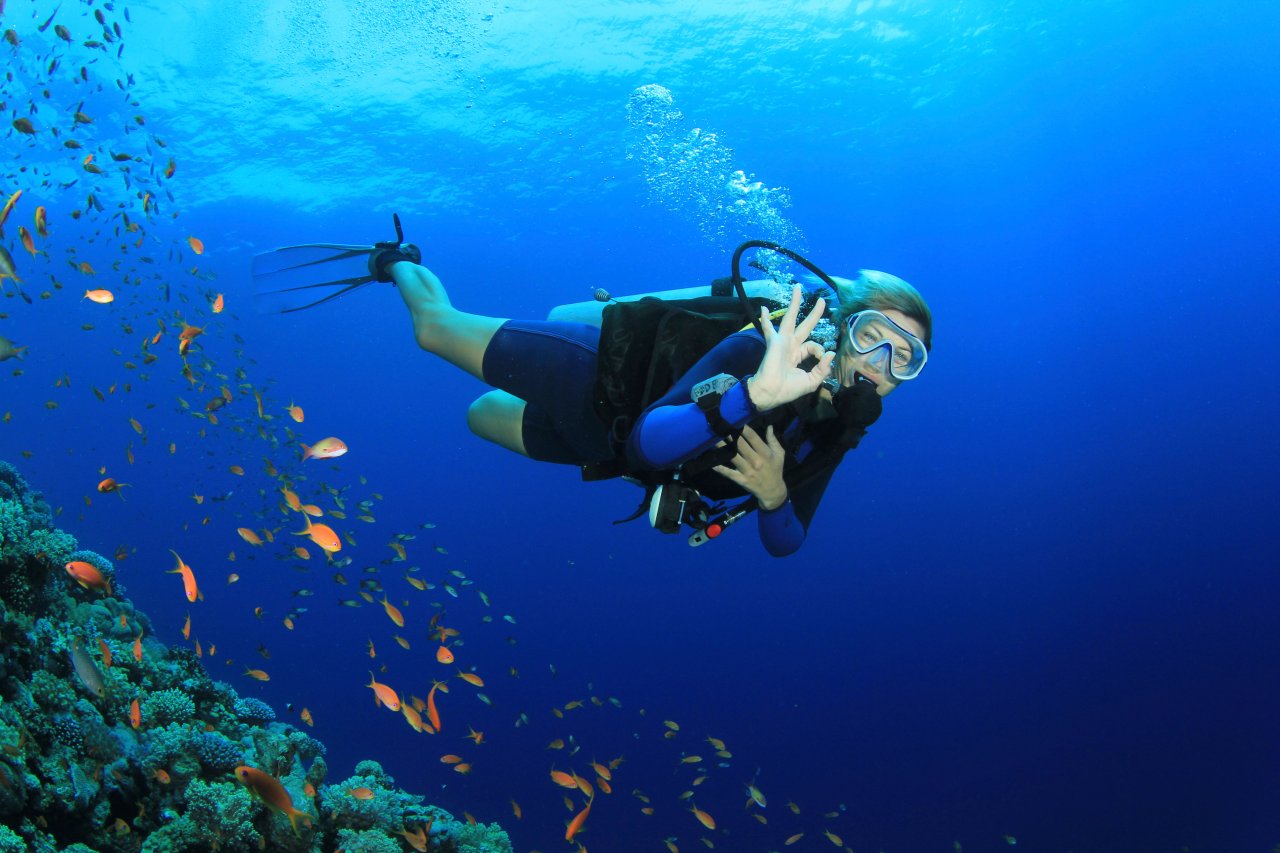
point(78, 776)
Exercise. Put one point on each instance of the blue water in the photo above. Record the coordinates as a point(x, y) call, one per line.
point(1038, 601)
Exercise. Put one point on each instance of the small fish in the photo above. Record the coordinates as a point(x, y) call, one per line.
point(7, 269)
point(257, 674)
point(88, 576)
point(383, 695)
point(28, 242)
point(86, 670)
point(10, 350)
point(322, 535)
point(196, 244)
point(189, 586)
point(268, 789)
point(296, 413)
point(325, 448)
point(575, 825)
point(110, 485)
point(249, 536)
point(101, 296)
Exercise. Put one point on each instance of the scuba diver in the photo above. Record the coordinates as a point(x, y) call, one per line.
point(716, 419)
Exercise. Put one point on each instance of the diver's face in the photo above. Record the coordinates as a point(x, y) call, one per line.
point(873, 365)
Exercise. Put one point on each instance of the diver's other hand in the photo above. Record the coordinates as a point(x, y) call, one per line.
point(381, 259)
point(758, 467)
point(780, 378)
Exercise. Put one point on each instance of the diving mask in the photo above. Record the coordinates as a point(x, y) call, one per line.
point(891, 349)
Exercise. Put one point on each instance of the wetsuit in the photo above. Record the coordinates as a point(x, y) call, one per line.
point(552, 367)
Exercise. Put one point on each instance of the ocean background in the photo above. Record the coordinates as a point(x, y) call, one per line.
point(1038, 605)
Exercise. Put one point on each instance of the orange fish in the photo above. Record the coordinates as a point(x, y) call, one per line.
point(135, 714)
point(88, 576)
point(186, 628)
point(235, 469)
point(170, 169)
point(249, 536)
point(413, 718)
point(703, 818)
point(110, 485)
point(188, 578)
point(564, 780)
point(451, 759)
point(392, 612)
point(306, 717)
point(443, 655)
point(196, 244)
point(433, 715)
point(295, 412)
point(42, 224)
point(515, 810)
point(383, 695)
point(325, 448)
point(27, 242)
point(322, 535)
point(162, 776)
point(361, 793)
point(218, 304)
point(267, 788)
point(464, 768)
point(137, 648)
point(575, 825)
point(257, 674)
point(474, 735)
point(418, 840)
point(106, 652)
point(471, 678)
point(102, 297)
point(8, 208)
point(86, 268)
point(291, 498)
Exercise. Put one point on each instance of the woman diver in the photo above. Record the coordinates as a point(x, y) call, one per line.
point(766, 414)
point(713, 421)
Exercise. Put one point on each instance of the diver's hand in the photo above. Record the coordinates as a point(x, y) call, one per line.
point(780, 379)
point(758, 467)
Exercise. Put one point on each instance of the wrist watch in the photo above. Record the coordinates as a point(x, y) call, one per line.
point(707, 394)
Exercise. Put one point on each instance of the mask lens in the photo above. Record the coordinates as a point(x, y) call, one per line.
point(870, 331)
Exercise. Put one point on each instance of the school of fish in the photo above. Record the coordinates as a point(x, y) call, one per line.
point(96, 186)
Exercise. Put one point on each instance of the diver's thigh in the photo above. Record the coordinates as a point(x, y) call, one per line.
point(499, 417)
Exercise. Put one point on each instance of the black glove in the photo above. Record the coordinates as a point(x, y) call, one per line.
point(387, 254)
point(858, 407)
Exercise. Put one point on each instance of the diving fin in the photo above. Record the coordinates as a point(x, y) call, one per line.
point(284, 280)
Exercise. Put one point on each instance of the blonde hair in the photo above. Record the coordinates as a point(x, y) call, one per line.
point(881, 291)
